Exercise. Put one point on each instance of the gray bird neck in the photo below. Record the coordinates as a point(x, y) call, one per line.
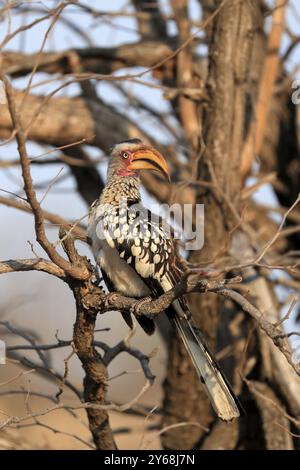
point(120, 188)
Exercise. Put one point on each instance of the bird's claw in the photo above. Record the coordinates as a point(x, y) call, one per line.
point(111, 298)
point(137, 306)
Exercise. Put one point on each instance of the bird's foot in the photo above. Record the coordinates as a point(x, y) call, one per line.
point(110, 298)
point(138, 305)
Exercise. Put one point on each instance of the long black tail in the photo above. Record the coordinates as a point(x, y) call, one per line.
point(222, 398)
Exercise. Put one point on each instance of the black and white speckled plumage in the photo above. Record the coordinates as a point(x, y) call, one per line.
point(137, 257)
point(131, 234)
point(118, 189)
point(141, 241)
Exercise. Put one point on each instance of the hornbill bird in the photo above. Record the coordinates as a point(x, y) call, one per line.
point(137, 257)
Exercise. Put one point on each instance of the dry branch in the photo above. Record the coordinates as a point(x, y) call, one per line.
point(190, 284)
point(207, 98)
point(55, 219)
point(93, 60)
point(78, 272)
point(37, 264)
point(269, 74)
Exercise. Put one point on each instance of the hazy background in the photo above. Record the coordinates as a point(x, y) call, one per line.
point(38, 301)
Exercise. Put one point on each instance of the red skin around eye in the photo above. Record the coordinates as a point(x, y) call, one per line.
point(124, 171)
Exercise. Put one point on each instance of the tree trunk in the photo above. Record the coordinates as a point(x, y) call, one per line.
point(95, 375)
point(224, 125)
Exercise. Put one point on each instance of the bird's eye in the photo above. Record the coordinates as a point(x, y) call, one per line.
point(125, 155)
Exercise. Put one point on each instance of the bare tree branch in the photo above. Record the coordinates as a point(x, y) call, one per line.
point(78, 272)
point(37, 264)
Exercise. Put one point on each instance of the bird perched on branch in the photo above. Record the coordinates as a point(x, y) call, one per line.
point(137, 257)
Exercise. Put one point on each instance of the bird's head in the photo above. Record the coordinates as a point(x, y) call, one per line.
point(128, 158)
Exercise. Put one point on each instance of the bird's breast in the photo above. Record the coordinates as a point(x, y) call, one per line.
point(124, 278)
point(130, 249)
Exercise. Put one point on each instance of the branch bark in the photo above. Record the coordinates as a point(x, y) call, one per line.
point(145, 53)
point(95, 381)
point(38, 264)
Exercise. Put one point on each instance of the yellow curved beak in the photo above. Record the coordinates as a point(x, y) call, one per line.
point(149, 159)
